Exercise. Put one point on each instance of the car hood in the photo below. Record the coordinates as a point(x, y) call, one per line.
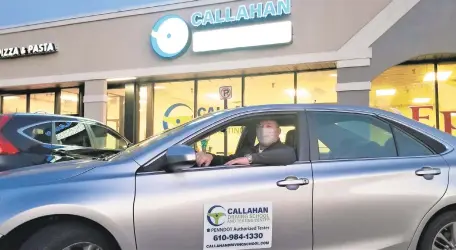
point(42, 174)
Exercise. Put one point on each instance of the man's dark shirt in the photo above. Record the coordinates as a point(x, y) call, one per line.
point(276, 154)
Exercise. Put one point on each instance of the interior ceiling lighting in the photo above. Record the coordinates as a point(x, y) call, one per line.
point(71, 98)
point(213, 96)
point(121, 79)
point(441, 76)
point(421, 100)
point(10, 97)
point(385, 92)
point(333, 75)
point(300, 93)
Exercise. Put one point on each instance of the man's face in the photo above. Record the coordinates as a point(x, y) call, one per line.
point(268, 132)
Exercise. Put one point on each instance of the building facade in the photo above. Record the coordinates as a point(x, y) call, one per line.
point(142, 71)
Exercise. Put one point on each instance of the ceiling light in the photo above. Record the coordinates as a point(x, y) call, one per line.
point(421, 100)
point(213, 96)
point(70, 98)
point(441, 76)
point(333, 75)
point(385, 92)
point(300, 93)
point(159, 87)
point(121, 79)
point(10, 97)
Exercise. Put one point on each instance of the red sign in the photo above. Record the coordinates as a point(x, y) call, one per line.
point(447, 125)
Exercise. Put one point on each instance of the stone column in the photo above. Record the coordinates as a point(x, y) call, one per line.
point(353, 87)
point(95, 100)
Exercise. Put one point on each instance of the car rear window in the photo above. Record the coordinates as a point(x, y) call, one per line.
point(40, 132)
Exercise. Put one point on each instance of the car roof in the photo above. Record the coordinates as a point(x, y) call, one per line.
point(53, 116)
point(337, 107)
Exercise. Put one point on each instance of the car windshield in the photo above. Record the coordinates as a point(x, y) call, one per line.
point(157, 137)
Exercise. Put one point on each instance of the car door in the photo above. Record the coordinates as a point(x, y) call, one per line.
point(245, 207)
point(370, 191)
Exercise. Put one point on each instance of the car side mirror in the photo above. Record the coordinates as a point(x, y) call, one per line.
point(179, 158)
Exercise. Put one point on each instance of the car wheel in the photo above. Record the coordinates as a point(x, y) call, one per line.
point(440, 233)
point(68, 236)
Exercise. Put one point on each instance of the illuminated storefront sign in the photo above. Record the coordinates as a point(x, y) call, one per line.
point(243, 13)
point(447, 115)
point(171, 35)
point(30, 50)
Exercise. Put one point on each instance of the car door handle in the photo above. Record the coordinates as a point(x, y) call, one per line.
point(291, 181)
point(428, 171)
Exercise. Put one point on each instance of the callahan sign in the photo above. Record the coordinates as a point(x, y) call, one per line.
point(251, 12)
point(30, 50)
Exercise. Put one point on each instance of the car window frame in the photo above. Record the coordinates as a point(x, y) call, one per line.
point(109, 129)
point(314, 150)
point(303, 147)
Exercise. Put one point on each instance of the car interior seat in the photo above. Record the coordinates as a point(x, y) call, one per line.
point(291, 140)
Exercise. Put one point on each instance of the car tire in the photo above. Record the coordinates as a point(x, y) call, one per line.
point(434, 227)
point(62, 235)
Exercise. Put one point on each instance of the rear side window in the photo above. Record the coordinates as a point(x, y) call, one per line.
point(72, 134)
point(351, 136)
point(40, 132)
point(408, 146)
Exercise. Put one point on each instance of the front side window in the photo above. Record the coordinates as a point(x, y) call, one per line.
point(244, 135)
point(107, 139)
point(351, 136)
point(72, 134)
point(40, 132)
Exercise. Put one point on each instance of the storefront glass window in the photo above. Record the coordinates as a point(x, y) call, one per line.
point(317, 87)
point(446, 77)
point(145, 111)
point(173, 104)
point(14, 104)
point(116, 109)
point(407, 90)
point(43, 102)
point(269, 89)
point(69, 101)
point(209, 100)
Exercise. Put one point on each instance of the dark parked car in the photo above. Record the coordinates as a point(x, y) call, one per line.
point(32, 139)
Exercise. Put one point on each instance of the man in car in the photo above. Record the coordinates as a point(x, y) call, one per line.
point(269, 151)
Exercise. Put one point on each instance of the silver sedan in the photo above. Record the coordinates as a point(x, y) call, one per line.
point(364, 179)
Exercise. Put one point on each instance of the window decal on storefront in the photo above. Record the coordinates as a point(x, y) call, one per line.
point(30, 50)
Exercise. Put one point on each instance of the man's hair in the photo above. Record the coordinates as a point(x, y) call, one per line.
point(272, 120)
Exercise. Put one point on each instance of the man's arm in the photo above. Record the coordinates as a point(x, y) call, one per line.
point(221, 159)
point(278, 156)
